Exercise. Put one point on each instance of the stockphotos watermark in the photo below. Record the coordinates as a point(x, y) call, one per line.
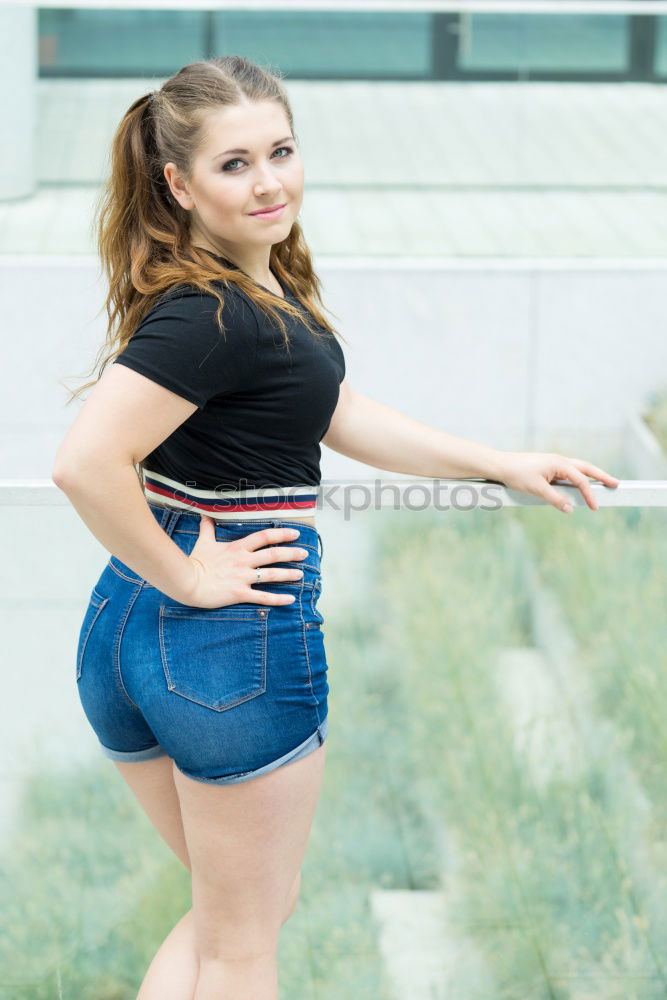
point(351, 497)
point(348, 497)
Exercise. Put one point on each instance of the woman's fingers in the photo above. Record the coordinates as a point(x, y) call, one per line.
point(266, 536)
point(552, 496)
point(535, 473)
point(578, 479)
point(260, 557)
point(594, 472)
point(576, 471)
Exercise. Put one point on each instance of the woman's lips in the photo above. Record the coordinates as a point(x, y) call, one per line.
point(275, 214)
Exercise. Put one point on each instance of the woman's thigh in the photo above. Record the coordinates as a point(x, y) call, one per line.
point(247, 842)
point(152, 783)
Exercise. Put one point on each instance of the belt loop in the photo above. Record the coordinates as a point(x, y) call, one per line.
point(169, 522)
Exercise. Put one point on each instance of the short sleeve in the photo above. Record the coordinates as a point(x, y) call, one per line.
point(178, 344)
point(341, 358)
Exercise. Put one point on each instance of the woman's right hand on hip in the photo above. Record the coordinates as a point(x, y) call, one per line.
point(223, 572)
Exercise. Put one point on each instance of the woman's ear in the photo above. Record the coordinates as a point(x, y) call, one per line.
point(178, 186)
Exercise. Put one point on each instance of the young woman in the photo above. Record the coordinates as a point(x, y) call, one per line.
point(201, 663)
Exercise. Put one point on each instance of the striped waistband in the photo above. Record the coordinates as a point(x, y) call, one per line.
point(262, 503)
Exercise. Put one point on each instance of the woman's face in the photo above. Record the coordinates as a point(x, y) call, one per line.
point(248, 160)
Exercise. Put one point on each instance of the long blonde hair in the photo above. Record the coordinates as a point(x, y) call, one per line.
point(143, 234)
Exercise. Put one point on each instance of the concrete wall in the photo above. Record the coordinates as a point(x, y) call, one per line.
point(517, 355)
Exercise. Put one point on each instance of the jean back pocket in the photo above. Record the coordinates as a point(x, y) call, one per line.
point(214, 656)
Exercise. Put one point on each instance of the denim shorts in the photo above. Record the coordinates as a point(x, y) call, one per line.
point(229, 693)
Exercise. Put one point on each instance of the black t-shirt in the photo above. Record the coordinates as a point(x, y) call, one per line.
point(262, 410)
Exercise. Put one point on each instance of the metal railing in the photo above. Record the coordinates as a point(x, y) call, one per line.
point(359, 495)
point(378, 6)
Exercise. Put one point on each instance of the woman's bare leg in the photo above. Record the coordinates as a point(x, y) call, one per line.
point(246, 842)
point(173, 973)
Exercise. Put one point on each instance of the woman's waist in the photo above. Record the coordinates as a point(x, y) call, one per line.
point(266, 502)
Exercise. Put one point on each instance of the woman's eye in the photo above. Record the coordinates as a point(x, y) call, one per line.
point(288, 150)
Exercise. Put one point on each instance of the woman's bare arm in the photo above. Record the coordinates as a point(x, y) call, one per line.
point(379, 435)
point(123, 419)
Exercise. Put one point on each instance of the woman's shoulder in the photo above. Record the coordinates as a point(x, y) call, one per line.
point(187, 303)
point(192, 294)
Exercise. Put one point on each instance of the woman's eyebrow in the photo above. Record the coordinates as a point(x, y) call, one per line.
point(276, 143)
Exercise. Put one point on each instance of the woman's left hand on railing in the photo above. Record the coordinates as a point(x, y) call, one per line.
point(533, 472)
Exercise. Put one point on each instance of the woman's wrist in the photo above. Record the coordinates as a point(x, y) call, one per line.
point(495, 464)
point(197, 570)
point(483, 462)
